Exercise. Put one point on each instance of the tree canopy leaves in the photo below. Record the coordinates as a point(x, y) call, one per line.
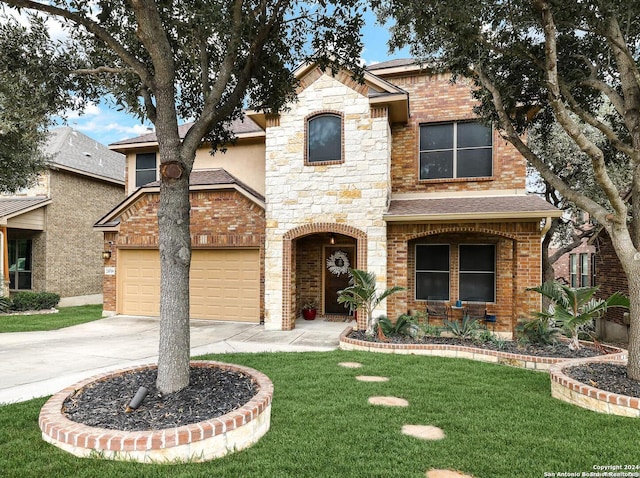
point(33, 87)
point(542, 63)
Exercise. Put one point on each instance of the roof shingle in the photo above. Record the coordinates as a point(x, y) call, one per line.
point(515, 206)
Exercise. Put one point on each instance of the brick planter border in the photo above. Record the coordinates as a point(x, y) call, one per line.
point(196, 442)
point(577, 393)
point(531, 362)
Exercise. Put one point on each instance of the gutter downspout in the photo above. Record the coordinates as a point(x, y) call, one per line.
point(4, 256)
point(546, 227)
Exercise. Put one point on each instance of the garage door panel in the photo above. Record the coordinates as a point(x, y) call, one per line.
point(224, 285)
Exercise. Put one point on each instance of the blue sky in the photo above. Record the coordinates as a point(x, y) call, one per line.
point(106, 125)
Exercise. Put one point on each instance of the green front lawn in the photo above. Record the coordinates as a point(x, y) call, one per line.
point(66, 317)
point(499, 422)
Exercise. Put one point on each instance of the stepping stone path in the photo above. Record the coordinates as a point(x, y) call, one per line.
point(446, 474)
point(389, 401)
point(350, 364)
point(371, 378)
point(423, 432)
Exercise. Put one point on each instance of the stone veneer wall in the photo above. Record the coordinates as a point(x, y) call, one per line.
point(219, 219)
point(351, 194)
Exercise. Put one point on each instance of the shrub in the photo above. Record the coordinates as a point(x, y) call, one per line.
point(403, 326)
point(22, 301)
point(5, 304)
point(538, 331)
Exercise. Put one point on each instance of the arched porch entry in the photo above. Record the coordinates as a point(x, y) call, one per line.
point(306, 276)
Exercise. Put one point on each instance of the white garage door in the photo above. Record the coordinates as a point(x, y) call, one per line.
point(225, 284)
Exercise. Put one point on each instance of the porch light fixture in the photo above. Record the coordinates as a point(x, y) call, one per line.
point(332, 239)
point(106, 254)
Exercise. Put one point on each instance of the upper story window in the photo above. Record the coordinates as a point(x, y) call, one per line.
point(455, 150)
point(324, 138)
point(146, 169)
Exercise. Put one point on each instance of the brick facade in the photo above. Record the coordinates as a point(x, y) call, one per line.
point(219, 219)
point(308, 204)
point(562, 270)
point(609, 275)
point(517, 265)
point(67, 255)
point(435, 99)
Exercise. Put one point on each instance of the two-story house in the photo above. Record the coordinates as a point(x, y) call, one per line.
point(394, 175)
point(48, 243)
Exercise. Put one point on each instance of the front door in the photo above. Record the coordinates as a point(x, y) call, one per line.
point(337, 262)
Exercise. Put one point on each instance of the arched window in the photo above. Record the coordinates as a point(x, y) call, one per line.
point(324, 138)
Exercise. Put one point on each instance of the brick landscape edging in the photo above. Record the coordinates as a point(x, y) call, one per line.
point(201, 441)
point(531, 362)
point(577, 393)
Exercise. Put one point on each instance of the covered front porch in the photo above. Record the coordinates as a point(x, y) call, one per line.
point(463, 250)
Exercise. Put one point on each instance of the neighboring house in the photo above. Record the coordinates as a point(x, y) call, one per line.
point(577, 268)
point(394, 175)
point(611, 278)
point(49, 243)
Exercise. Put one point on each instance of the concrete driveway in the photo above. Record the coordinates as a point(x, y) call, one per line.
point(36, 364)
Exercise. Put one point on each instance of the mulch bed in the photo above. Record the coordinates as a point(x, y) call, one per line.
point(559, 350)
point(605, 376)
point(211, 392)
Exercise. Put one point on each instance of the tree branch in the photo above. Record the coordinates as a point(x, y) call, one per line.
point(572, 129)
point(510, 134)
point(605, 129)
point(102, 69)
point(93, 28)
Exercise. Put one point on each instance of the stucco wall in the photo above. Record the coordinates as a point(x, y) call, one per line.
point(244, 160)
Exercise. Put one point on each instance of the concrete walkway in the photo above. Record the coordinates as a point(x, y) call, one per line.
point(35, 364)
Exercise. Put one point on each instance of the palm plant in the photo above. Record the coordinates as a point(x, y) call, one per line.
point(573, 308)
point(362, 294)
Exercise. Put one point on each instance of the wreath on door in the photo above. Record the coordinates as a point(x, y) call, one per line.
point(338, 263)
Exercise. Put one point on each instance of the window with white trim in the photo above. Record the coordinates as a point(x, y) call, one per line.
point(146, 169)
point(455, 150)
point(477, 275)
point(432, 271)
point(584, 270)
point(573, 270)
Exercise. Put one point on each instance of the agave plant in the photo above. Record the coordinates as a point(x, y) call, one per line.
point(573, 308)
point(362, 294)
point(404, 325)
point(464, 329)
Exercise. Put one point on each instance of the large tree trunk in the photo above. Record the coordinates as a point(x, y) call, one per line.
point(633, 365)
point(626, 252)
point(175, 260)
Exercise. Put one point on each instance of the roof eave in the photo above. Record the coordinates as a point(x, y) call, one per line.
point(119, 182)
point(512, 216)
point(398, 105)
point(4, 219)
point(108, 220)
